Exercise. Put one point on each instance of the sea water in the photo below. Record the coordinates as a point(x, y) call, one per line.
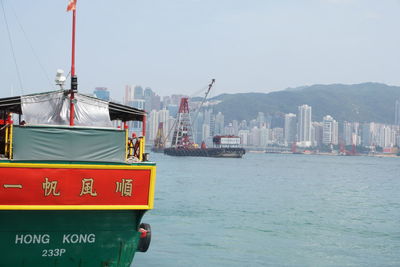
point(275, 210)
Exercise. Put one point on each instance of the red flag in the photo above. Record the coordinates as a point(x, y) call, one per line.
point(71, 5)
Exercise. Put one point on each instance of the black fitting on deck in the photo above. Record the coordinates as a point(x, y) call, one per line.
point(74, 83)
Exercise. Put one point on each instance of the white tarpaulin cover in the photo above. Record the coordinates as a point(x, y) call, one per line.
point(53, 108)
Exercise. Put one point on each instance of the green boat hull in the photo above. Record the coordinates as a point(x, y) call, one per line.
point(69, 237)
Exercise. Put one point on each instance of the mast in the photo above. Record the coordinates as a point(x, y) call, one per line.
point(74, 78)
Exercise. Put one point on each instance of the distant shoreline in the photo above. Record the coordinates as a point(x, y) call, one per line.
point(379, 155)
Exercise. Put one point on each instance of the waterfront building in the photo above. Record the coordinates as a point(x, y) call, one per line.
point(330, 131)
point(255, 136)
point(264, 137)
point(351, 133)
point(304, 126)
point(244, 137)
point(290, 128)
point(389, 136)
point(366, 135)
point(317, 130)
point(278, 136)
point(347, 133)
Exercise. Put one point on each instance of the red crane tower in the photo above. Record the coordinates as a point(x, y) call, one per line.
point(182, 136)
point(183, 128)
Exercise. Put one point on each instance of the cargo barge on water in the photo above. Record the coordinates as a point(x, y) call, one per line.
point(183, 145)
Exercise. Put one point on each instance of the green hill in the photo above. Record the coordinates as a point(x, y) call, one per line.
point(365, 102)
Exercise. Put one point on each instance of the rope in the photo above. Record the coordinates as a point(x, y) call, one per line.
point(33, 50)
point(12, 48)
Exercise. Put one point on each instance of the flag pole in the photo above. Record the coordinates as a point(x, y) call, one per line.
point(74, 79)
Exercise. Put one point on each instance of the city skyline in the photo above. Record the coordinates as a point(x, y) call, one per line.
point(297, 129)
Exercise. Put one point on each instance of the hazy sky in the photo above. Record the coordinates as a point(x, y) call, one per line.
point(177, 46)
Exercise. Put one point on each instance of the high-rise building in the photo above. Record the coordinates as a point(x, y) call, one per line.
point(366, 136)
point(163, 116)
point(243, 125)
point(128, 94)
point(244, 137)
point(278, 135)
point(330, 131)
point(260, 119)
point(138, 92)
point(102, 93)
point(198, 127)
point(317, 130)
point(152, 126)
point(255, 136)
point(351, 131)
point(205, 132)
point(148, 97)
point(397, 113)
point(347, 133)
point(304, 126)
point(235, 125)
point(219, 124)
point(229, 130)
point(156, 102)
point(173, 110)
point(290, 128)
point(264, 136)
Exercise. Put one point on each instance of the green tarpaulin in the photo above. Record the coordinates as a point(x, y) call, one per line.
point(68, 144)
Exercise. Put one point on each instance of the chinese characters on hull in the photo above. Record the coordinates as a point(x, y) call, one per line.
point(50, 187)
point(124, 187)
point(87, 187)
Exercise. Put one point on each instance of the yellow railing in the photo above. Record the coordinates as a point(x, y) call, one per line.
point(8, 149)
point(141, 148)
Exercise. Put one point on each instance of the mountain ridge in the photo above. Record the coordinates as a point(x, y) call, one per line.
point(363, 102)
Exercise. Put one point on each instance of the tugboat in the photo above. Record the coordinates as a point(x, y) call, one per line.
point(73, 186)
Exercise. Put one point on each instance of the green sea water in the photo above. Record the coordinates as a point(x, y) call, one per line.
point(275, 210)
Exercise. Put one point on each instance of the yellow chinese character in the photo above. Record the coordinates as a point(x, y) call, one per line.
point(49, 188)
point(87, 187)
point(125, 187)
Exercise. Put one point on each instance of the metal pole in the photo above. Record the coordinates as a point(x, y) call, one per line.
point(73, 77)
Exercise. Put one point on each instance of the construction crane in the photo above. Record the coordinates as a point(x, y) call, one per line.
point(182, 130)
